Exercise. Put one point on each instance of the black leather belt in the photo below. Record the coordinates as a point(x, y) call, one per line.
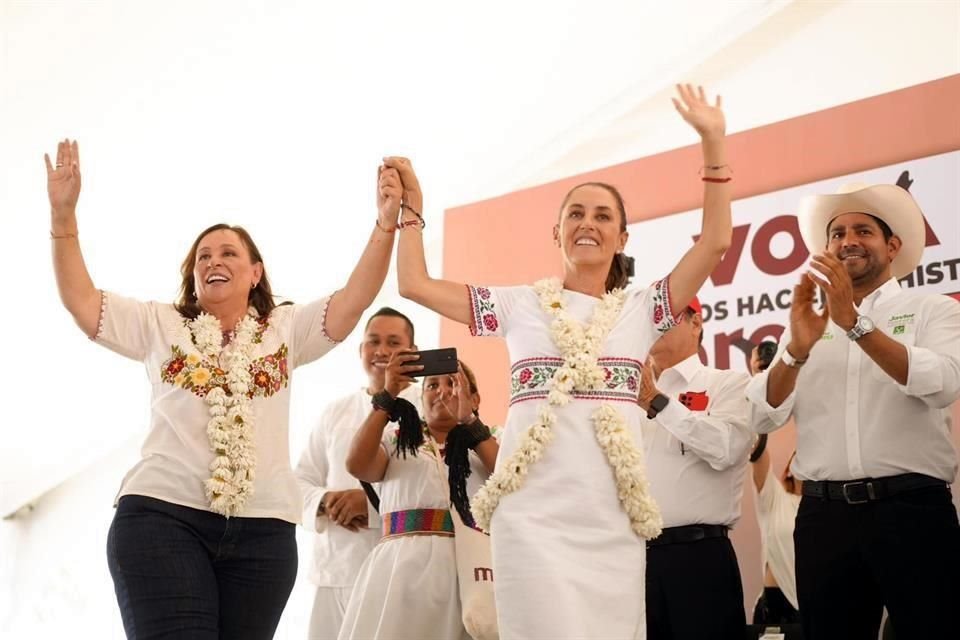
point(868, 489)
point(689, 533)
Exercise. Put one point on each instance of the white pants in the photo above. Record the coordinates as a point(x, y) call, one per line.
point(329, 603)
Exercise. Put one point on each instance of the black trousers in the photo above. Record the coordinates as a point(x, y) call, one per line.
point(902, 552)
point(186, 574)
point(774, 608)
point(694, 592)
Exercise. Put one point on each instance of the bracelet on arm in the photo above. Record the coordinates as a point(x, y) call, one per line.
point(384, 229)
point(715, 167)
point(412, 223)
point(474, 432)
point(383, 401)
point(460, 440)
point(788, 359)
point(758, 450)
point(54, 236)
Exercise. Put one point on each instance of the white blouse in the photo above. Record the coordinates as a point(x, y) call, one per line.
point(176, 454)
point(777, 514)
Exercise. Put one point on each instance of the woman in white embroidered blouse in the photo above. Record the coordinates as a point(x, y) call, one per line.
point(202, 543)
point(568, 536)
point(407, 586)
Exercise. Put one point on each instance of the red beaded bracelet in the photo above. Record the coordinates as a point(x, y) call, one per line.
point(417, 222)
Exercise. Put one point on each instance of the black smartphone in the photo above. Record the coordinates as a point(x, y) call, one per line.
point(436, 362)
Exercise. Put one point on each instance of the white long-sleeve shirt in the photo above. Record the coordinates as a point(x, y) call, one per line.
point(337, 551)
point(776, 515)
point(854, 420)
point(697, 458)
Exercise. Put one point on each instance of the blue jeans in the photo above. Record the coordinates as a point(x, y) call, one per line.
point(191, 574)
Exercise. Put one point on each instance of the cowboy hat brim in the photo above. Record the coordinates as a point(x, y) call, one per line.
point(892, 204)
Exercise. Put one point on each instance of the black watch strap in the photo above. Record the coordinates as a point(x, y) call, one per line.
point(658, 404)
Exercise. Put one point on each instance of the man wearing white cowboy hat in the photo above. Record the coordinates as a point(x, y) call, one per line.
point(869, 381)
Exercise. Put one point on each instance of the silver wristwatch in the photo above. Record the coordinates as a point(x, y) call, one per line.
point(863, 326)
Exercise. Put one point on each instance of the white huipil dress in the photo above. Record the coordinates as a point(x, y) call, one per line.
point(566, 562)
point(407, 588)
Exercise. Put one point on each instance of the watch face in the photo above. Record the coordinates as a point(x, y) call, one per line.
point(865, 324)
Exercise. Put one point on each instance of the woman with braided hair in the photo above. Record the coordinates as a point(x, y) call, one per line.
point(407, 587)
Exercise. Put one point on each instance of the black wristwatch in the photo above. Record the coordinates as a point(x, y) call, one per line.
point(658, 404)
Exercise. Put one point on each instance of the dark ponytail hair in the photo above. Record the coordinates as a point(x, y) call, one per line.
point(621, 269)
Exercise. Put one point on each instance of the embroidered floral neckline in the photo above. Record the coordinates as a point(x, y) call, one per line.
point(230, 429)
point(580, 347)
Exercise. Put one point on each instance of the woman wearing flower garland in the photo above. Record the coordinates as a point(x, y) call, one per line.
point(407, 587)
point(202, 544)
point(567, 507)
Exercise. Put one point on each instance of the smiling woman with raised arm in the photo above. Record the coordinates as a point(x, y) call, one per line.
point(567, 506)
point(202, 544)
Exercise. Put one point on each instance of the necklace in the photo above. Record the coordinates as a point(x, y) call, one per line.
point(580, 346)
point(230, 428)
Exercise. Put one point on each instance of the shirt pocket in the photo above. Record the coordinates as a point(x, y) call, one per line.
point(907, 337)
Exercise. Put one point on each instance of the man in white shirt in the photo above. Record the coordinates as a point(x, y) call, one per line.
point(697, 442)
point(869, 381)
point(334, 504)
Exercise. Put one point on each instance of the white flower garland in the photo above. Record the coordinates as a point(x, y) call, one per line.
point(230, 429)
point(580, 347)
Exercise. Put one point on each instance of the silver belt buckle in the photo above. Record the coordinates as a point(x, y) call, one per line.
point(871, 494)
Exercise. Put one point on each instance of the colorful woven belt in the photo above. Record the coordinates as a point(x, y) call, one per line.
point(434, 522)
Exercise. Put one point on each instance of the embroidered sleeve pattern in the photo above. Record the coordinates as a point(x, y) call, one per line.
point(309, 339)
point(663, 316)
point(103, 310)
point(483, 312)
point(323, 320)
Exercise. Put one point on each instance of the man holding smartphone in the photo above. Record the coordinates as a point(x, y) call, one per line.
point(335, 506)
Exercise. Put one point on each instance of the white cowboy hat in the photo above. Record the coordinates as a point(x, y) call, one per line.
point(889, 202)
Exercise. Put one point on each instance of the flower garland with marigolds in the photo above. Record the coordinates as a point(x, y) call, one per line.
point(580, 347)
point(230, 429)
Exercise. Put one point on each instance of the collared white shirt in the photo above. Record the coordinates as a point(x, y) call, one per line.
point(854, 420)
point(697, 459)
point(338, 552)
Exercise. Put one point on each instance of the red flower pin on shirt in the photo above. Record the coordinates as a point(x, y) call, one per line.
point(695, 400)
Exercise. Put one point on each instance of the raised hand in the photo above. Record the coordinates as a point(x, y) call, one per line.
point(694, 107)
point(838, 288)
point(806, 324)
point(463, 397)
point(389, 193)
point(63, 179)
point(397, 374)
point(412, 195)
point(648, 383)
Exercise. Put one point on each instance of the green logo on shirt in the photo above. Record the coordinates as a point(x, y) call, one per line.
point(901, 320)
point(898, 330)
